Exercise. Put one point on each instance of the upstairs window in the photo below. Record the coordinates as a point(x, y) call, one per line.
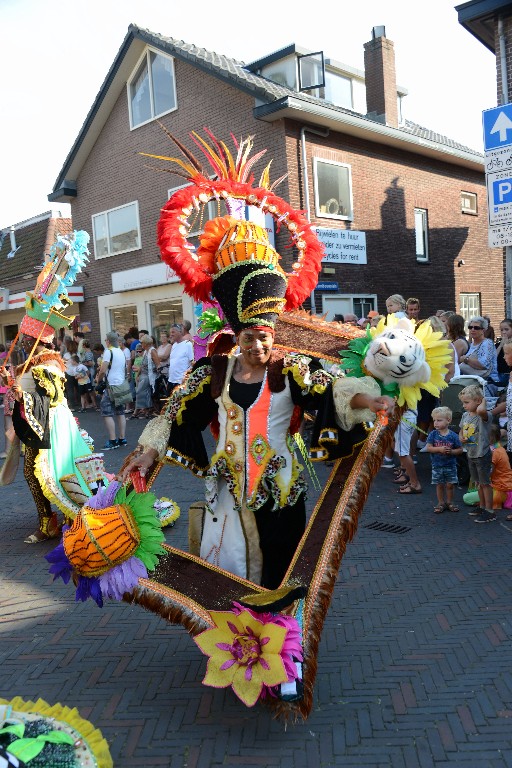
point(421, 233)
point(116, 231)
point(152, 88)
point(469, 203)
point(333, 189)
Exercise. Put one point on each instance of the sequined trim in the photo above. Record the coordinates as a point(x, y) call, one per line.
point(31, 420)
point(298, 366)
point(182, 395)
point(175, 457)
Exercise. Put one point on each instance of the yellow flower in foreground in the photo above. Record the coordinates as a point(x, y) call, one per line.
point(244, 654)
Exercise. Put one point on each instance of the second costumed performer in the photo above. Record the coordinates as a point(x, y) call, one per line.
point(254, 400)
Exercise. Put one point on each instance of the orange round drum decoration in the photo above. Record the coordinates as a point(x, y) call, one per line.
point(100, 539)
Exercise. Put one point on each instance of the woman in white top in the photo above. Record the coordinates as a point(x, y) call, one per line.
point(163, 352)
point(113, 369)
point(146, 377)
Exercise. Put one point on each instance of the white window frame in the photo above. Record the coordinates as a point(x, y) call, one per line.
point(470, 196)
point(330, 298)
point(470, 305)
point(324, 214)
point(423, 214)
point(105, 213)
point(145, 55)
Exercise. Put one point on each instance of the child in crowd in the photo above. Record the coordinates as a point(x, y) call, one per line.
point(395, 305)
point(444, 446)
point(501, 477)
point(474, 436)
point(84, 383)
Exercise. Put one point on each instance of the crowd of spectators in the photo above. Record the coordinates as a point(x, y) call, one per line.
point(485, 356)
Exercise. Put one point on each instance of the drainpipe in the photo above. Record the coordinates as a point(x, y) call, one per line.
point(504, 100)
point(305, 182)
point(503, 61)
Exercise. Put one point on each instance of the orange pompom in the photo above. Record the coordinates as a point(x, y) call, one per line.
point(214, 231)
point(100, 539)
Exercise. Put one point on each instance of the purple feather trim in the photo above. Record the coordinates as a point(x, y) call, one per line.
point(122, 578)
point(105, 496)
point(59, 563)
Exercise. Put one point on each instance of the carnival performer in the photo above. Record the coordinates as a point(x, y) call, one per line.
point(255, 494)
point(41, 418)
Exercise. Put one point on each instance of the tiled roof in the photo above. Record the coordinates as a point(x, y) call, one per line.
point(234, 73)
point(217, 63)
point(32, 240)
point(237, 74)
point(426, 133)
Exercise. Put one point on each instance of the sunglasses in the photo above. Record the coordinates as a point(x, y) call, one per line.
point(475, 327)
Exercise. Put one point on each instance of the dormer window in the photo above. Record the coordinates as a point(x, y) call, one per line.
point(151, 88)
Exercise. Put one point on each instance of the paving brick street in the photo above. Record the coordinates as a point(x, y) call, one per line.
point(415, 664)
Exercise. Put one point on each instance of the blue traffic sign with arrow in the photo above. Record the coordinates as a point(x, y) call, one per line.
point(497, 124)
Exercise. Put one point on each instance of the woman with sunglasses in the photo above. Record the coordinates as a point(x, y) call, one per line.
point(480, 359)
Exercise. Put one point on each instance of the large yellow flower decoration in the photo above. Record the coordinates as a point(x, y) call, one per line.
point(245, 653)
point(437, 354)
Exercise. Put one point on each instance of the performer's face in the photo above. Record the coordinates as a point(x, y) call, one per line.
point(27, 342)
point(255, 346)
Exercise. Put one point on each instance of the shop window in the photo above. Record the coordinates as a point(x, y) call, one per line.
point(152, 88)
point(333, 189)
point(122, 318)
point(116, 231)
point(470, 305)
point(469, 203)
point(421, 233)
point(163, 314)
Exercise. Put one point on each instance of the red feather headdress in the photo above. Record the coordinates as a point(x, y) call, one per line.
point(233, 186)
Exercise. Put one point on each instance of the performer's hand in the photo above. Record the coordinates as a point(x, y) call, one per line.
point(382, 403)
point(140, 463)
point(4, 376)
point(17, 392)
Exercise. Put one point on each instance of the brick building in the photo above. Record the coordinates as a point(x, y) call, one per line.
point(22, 252)
point(400, 208)
point(490, 21)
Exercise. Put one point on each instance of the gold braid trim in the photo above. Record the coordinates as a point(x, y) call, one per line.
point(298, 366)
point(192, 386)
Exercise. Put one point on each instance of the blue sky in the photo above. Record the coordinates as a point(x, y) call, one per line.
point(56, 53)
